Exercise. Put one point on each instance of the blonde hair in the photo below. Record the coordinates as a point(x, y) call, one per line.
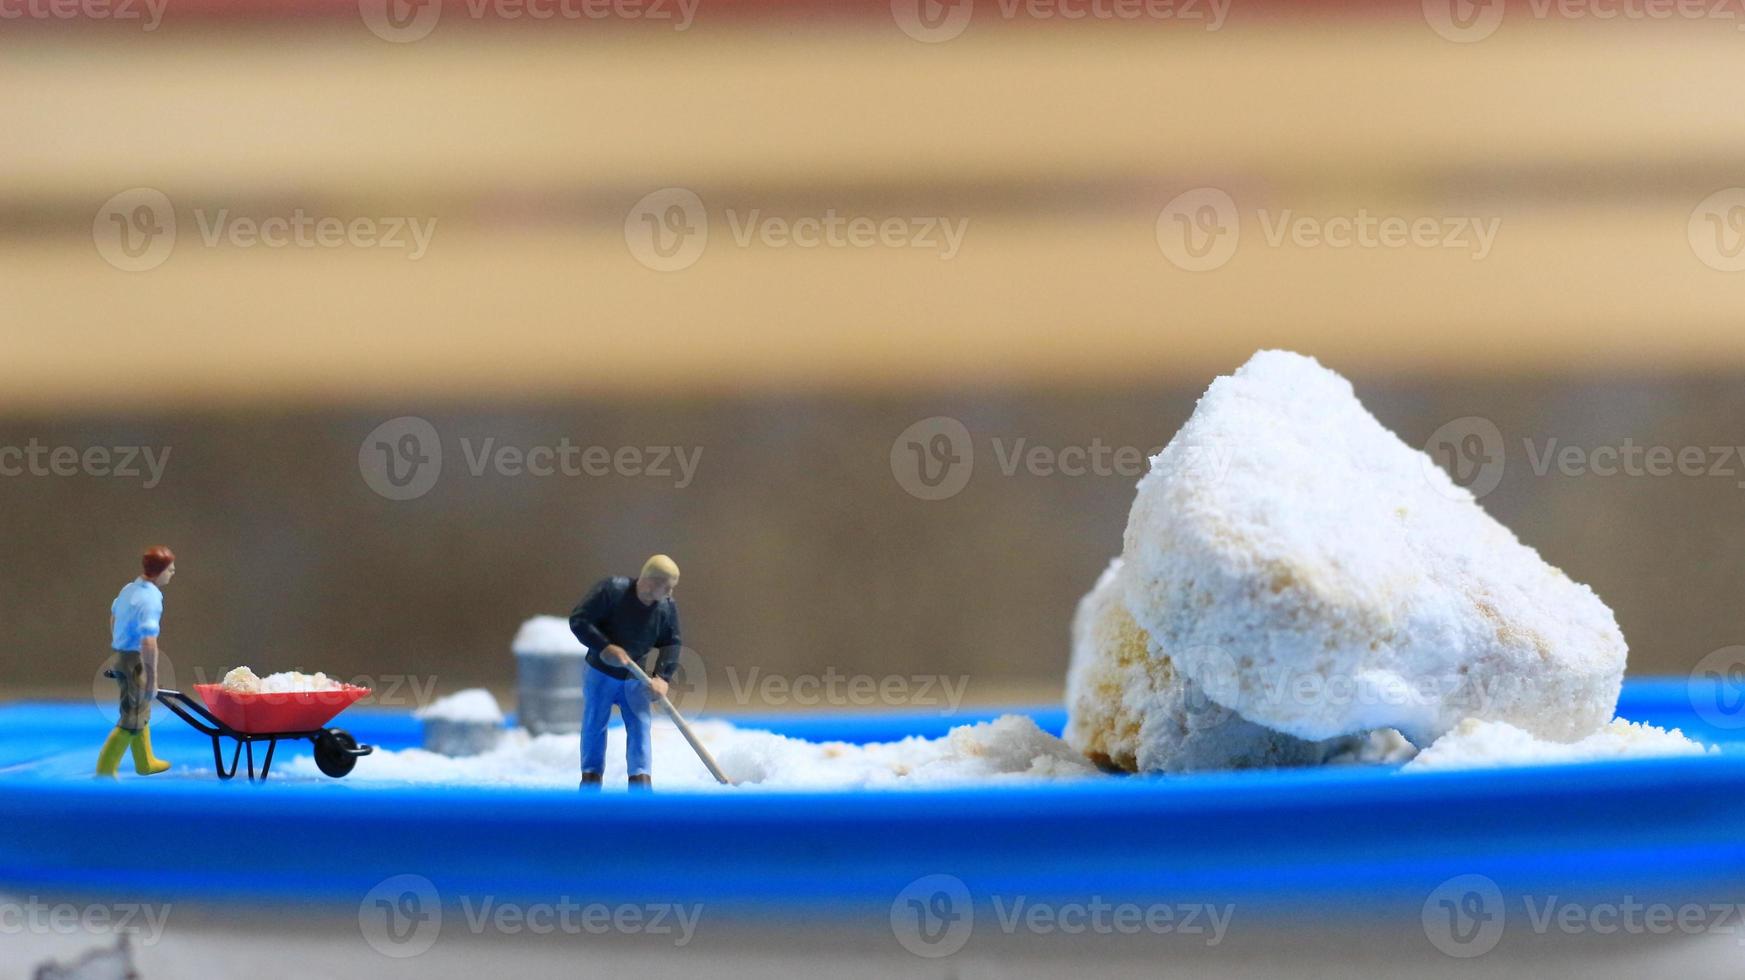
point(660, 566)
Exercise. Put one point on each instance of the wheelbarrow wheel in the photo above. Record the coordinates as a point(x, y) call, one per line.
point(335, 752)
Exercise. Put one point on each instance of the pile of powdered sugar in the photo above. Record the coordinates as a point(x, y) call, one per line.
point(243, 680)
point(475, 706)
point(1009, 749)
point(1475, 743)
point(1299, 586)
point(549, 636)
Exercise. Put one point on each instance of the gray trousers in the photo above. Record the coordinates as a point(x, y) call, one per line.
point(139, 687)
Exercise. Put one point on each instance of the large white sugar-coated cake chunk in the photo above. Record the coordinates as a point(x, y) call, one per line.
point(1129, 709)
point(1326, 578)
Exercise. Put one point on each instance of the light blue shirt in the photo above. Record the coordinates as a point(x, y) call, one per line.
point(138, 611)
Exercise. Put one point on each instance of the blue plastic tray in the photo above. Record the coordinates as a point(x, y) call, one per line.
point(1317, 841)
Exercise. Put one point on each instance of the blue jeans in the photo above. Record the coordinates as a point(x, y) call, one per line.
point(600, 691)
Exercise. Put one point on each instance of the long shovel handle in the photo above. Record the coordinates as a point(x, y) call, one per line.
point(684, 728)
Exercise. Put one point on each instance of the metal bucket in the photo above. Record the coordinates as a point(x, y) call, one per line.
point(548, 692)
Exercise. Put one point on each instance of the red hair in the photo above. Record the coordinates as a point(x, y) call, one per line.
point(156, 560)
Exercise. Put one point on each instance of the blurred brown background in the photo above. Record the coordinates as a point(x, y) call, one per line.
point(1606, 310)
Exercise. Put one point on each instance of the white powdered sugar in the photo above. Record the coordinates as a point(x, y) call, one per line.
point(1327, 579)
point(547, 635)
point(1009, 749)
point(473, 706)
point(1475, 743)
point(1129, 709)
point(243, 680)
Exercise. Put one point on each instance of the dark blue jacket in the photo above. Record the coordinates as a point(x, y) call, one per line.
point(612, 614)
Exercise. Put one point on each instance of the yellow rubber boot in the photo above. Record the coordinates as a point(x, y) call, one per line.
point(114, 747)
point(144, 762)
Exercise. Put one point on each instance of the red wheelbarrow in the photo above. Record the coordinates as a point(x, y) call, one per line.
point(251, 718)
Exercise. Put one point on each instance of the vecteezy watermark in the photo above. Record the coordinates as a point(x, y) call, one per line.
point(144, 463)
point(1717, 688)
point(1467, 916)
point(402, 459)
point(1463, 916)
point(1717, 230)
point(402, 917)
point(933, 459)
point(106, 690)
point(300, 229)
point(691, 691)
point(404, 21)
point(1231, 682)
point(668, 230)
point(1469, 21)
point(1631, 460)
point(36, 917)
point(149, 13)
point(838, 689)
point(934, 916)
point(934, 21)
point(1199, 230)
point(386, 690)
point(1471, 452)
point(136, 230)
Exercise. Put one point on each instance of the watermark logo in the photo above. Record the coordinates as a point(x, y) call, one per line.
point(1467, 21)
point(135, 231)
point(1464, 916)
point(1222, 685)
point(1363, 229)
point(144, 463)
point(932, 21)
point(386, 690)
point(839, 689)
point(1717, 230)
point(1198, 230)
point(1468, 451)
point(35, 917)
point(1717, 688)
point(933, 916)
point(401, 917)
point(688, 688)
point(1464, 21)
point(401, 459)
point(1271, 689)
point(404, 21)
point(833, 229)
point(933, 459)
point(400, 21)
point(303, 230)
point(106, 690)
point(1471, 452)
point(667, 230)
point(149, 13)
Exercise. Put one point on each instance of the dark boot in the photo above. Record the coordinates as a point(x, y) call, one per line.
point(641, 782)
point(591, 780)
